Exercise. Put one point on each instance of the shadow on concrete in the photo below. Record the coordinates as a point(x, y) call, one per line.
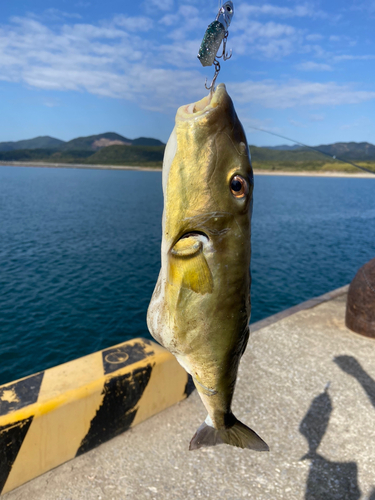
point(327, 480)
point(350, 365)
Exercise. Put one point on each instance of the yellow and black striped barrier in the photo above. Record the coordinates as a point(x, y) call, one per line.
point(56, 415)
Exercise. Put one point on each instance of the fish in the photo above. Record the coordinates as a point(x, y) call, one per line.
point(200, 308)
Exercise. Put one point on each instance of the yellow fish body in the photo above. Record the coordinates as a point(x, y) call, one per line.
point(200, 307)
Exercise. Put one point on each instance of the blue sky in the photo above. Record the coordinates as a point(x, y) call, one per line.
point(74, 68)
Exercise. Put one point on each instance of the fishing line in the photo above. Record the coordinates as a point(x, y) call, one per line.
point(334, 157)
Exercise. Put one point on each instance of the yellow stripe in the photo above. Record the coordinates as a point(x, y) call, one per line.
point(62, 418)
point(166, 386)
point(72, 395)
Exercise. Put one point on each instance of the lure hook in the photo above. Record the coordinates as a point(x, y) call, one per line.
point(224, 54)
point(211, 88)
point(216, 33)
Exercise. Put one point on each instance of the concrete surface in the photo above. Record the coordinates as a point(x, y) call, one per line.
point(322, 439)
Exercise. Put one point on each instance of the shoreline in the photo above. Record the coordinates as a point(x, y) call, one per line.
point(306, 173)
point(76, 165)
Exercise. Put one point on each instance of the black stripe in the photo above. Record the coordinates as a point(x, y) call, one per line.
point(189, 387)
point(118, 409)
point(11, 439)
point(20, 394)
point(124, 355)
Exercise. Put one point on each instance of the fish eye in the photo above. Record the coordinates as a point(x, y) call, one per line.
point(229, 9)
point(238, 186)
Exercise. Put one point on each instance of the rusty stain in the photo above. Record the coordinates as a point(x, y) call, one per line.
point(360, 308)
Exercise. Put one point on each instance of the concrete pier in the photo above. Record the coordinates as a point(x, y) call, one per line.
point(306, 385)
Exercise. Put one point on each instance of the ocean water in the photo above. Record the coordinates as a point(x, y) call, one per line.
point(80, 254)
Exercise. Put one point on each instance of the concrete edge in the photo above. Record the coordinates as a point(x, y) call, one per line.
point(53, 416)
point(308, 304)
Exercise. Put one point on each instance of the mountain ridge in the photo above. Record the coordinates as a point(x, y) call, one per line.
point(39, 142)
point(346, 150)
point(84, 143)
point(114, 149)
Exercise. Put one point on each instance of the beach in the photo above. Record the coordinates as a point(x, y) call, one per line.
point(360, 175)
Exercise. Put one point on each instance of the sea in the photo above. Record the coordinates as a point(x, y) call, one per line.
point(80, 254)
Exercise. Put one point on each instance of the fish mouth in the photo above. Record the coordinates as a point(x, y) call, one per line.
point(204, 106)
point(190, 243)
point(194, 234)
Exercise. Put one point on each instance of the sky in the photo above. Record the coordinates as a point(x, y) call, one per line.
point(73, 68)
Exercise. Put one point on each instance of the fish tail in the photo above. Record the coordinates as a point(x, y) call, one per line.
point(237, 435)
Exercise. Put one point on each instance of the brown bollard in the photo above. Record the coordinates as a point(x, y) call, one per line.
point(360, 307)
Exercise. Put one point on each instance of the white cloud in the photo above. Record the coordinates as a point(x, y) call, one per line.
point(104, 60)
point(57, 14)
point(271, 40)
point(186, 19)
point(271, 94)
point(170, 19)
point(347, 57)
point(50, 103)
point(342, 39)
point(368, 5)
point(163, 5)
point(185, 13)
point(296, 123)
point(181, 55)
point(313, 66)
point(255, 29)
point(314, 37)
point(110, 60)
point(305, 10)
point(136, 23)
point(317, 118)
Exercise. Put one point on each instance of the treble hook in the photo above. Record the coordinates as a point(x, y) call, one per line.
point(211, 88)
point(224, 54)
point(216, 33)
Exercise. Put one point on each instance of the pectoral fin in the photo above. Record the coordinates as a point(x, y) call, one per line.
point(188, 267)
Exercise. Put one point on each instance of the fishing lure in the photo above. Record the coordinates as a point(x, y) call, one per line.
point(216, 33)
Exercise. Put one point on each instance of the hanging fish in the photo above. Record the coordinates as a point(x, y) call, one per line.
point(200, 308)
point(216, 33)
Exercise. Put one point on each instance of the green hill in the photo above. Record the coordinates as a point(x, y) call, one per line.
point(36, 143)
point(95, 142)
point(113, 149)
point(350, 150)
point(357, 151)
point(295, 155)
point(46, 155)
point(147, 141)
point(128, 155)
point(305, 160)
point(89, 143)
point(108, 139)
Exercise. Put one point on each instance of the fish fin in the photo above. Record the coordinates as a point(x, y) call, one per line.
point(188, 267)
point(204, 437)
point(238, 435)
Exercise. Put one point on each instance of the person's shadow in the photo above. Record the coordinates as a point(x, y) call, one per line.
point(327, 480)
point(350, 365)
